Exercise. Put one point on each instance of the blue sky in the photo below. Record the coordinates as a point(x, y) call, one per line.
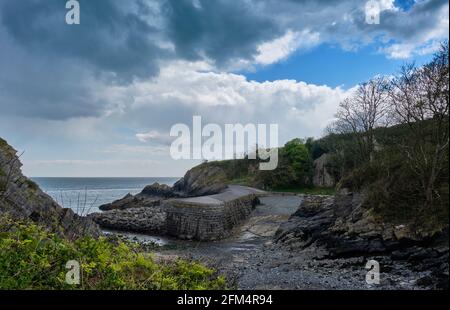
point(100, 98)
point(330, 65)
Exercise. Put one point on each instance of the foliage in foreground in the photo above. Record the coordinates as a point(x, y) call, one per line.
point(32, 258)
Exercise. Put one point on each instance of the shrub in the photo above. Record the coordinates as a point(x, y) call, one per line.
point(32, 258)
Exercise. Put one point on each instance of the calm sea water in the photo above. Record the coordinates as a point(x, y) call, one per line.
point(85, 195)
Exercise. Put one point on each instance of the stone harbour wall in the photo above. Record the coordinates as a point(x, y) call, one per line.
point(208, 221)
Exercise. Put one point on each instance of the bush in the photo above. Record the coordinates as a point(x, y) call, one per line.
point(295, 167)
point(32, 258)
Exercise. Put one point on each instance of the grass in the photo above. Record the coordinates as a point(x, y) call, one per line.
point(308, 191)
point(245, 181)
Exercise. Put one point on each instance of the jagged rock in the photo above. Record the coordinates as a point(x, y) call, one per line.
point(202, 180)
point(22, 199)
point(342, 227)
point(130, 201)
point(159, 190)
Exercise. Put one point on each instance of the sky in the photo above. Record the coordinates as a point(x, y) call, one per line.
point(98, 99)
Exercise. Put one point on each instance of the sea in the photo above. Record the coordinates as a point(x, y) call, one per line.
point(85, 195)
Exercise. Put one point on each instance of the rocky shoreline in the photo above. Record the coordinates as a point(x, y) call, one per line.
point(340, 228)
point(309, 242)
point(264, 253)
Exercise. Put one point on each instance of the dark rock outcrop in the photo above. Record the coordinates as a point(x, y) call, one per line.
point(22, 199)
point(160, 190)
point(202, 180)
point(341, 227)
point(130, 201)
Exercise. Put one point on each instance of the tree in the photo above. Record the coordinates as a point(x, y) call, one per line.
point(420, 99)
point(295, 167)
point(360, 114)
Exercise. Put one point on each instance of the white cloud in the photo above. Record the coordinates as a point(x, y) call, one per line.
point(280, 48)
point(424, 42)
point(387, 5)
point(226, 98)
point(406, 51)
point(154, 136)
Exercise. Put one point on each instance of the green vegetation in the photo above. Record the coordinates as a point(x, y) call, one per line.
point(2, 142)
point(294, 170)
point(308, 190)
point(401, 168)
point(31, 258)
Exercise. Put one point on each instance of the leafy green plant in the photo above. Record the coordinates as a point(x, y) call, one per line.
point(32, 258)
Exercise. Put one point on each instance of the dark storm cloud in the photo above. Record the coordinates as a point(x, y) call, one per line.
point(48, 66)
point(52, 70)
point(120, 36)
point(221, 30)
point(110, 37)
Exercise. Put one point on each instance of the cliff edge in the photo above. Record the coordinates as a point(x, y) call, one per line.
point(21, 198)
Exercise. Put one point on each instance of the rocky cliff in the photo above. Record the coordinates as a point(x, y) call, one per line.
point(342, 227)
point(22, 199)
point(202, 180)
